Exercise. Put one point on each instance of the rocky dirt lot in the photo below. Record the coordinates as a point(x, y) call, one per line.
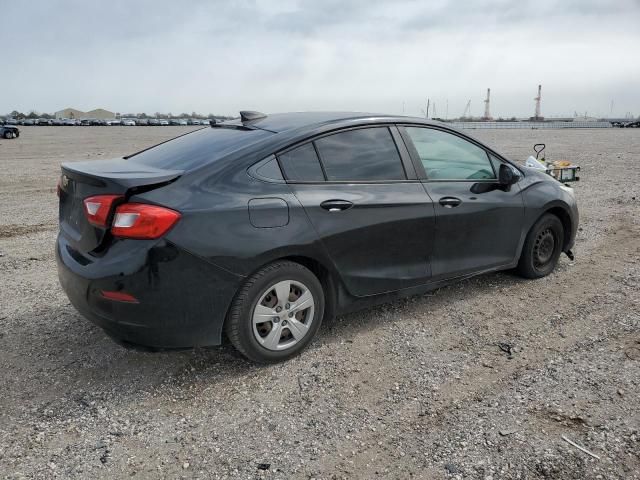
point(419, 388)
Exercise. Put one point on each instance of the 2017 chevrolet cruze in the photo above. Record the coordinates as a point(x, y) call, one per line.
point(262, 226)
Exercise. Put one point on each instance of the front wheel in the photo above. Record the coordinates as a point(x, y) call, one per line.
point(8, 134)
point(276, 313)
point(542, 247)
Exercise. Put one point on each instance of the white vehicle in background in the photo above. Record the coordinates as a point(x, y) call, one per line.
point(128, 122)
point(162, 121)
point(113, 122)
point(69, 122)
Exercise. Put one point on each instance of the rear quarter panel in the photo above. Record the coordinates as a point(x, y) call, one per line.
point(216, 224)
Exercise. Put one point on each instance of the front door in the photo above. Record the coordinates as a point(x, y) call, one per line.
point(478, 222)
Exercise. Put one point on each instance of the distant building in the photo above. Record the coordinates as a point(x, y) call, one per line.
point(100, 113)
point(79, 115)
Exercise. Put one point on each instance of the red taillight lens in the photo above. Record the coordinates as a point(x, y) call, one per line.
point(138, 220)
point(97, 208)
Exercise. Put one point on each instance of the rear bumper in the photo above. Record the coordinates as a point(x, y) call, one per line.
point(182, 299)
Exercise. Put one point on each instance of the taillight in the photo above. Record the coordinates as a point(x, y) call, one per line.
point(139, 220)
point(97, 208)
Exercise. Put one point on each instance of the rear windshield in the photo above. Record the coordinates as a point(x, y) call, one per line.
point(198, 148)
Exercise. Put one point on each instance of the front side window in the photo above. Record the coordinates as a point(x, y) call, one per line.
point(365, 154)
point(448, 157)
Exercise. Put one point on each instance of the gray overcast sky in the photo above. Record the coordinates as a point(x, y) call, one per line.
point(223, 56)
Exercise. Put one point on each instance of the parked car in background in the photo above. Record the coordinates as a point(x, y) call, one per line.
point(128, 122)
point(113, 122)
point(9, 131)
point(70, 122)
point(162, 121)
point(10, 121)
point(178, 121)
point(142, 121)
point(153, 122)
point(28, 122)
point(263, 226)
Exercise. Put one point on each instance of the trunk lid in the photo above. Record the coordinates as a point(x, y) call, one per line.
point(118, 176)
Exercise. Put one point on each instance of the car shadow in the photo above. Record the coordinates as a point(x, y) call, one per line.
point(56, 360)
point(345, 327)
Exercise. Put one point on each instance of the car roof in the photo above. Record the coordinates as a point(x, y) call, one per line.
point(283, 122)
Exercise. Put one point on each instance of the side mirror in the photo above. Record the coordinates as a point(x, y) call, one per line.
point(507, 176)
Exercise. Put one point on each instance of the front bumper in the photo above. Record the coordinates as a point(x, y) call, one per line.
point(183, 299)
point(575, 220)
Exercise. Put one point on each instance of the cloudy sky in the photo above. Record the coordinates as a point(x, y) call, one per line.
point(285, 55)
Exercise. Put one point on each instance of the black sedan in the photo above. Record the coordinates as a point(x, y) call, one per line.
point(261, 227)
point(9, 131)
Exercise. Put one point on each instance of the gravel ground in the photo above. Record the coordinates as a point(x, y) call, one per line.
point(418, 388)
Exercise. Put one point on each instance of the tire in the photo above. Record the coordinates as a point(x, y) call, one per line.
point(542, 247)
point(8, 134)
point(270, 338)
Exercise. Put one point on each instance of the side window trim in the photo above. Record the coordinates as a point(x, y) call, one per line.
point(324, 172)
point(405, 157)
point(413, 153)
point(417, 163)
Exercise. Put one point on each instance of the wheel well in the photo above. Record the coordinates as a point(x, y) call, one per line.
point(565, 219)
point(326, 280)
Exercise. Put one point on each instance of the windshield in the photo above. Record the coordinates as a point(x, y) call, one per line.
point(198, 148)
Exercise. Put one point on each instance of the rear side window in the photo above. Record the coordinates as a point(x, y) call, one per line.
point(448, 157)
point(366, 154)
point(198, 148)
point(301, 164)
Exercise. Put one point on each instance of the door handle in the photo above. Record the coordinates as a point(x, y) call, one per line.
point(336, 205)
point(450, 202)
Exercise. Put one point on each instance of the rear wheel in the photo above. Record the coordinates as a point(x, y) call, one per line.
point(542, 247)
point(276, 313)
point(8, 134)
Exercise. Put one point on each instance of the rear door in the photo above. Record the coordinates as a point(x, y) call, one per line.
point(362, 196)
point(478, 222)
